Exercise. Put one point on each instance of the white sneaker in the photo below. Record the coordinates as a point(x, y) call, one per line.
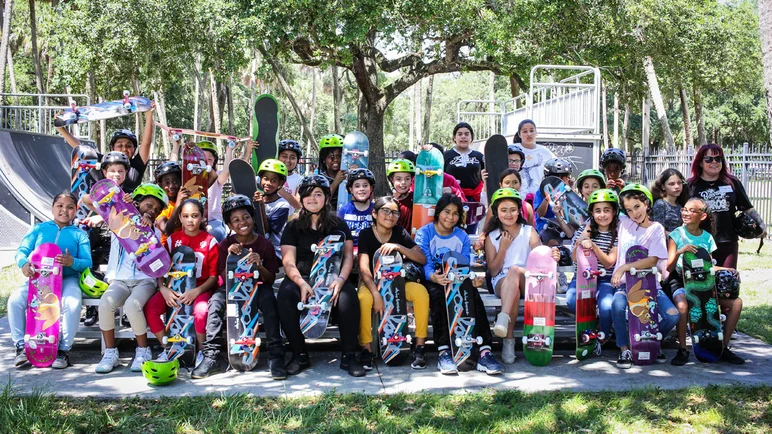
point(109, 361)
point(163, 357)
point(140, 356)
point(508, 351)
point(502, 323)
point(199, 359)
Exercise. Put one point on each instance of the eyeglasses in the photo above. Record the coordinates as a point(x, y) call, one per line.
point(389, 212)
point(516, 161)
point(709, 159)
point(691, 211)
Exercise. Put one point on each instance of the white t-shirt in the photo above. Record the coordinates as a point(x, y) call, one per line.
point(293, 182)
point(518, 251)
point(532, 171)
point(214, 200)
point(653, 238)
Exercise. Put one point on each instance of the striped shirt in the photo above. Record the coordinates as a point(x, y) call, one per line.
point(603, 241)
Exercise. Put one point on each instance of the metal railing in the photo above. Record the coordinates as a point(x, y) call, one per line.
point(34, 112)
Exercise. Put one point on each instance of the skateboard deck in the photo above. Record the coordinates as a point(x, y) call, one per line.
point(44, 306)
point(328, 254)
point(195, 173)
point(539, 315)
point(124, 221)
point(574, 208)
point(265, 129)
point(427, 188)
point(244, 182)
point(177, 134)
point(587, 273)
point(356, 151)
point(104, 110)
point(642, 313)
point(85, 173)
point(392, 325)
point(704, 314)
point(496, 161)
point(179, 320)
point(474, 211)
point(242, 312)
point(460, 305)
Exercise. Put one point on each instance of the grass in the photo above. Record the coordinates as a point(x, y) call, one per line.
point(10, 278)
point(756, 290)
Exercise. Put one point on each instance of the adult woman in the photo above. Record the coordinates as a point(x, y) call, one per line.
point(532, 170)
point(465, 164)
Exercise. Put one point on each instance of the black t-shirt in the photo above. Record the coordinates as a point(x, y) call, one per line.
point(466, 168)
point(303, 241)
point(136, 172)
point(369, 244)
point(723, 199)
point(261, 246)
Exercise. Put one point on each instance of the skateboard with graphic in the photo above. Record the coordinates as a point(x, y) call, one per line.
point(265, 129)
point(496, 161)
point(474, 212)
point(181, 278)
point(427, 187)
point(243, 182)
point(85, 173)
point(328, 254)
point(574, 208)
point(704, 311)
point(125, 222)
point(587, 273)
point(355, 155)
point(393, 339)
point(195, 173)
point(539, 314)
point(642, 312)
point(242, 312)
point(44, 306)
point(460, 306)
point(104, 110)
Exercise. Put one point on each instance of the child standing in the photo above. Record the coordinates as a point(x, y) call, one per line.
point(400, 174)
point(670, 194)
point(273, 175)
point(613, 163)
point(215, 225)
point(290, 152)
point(590, 180)
point(330, 154)
point(358, 214)
point(516, 156)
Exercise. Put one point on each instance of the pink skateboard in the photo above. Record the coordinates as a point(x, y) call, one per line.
point(539, 314)
point(123, 219)
point(44, 306)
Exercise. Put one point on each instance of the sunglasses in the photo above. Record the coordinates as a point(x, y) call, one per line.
point(710, 159)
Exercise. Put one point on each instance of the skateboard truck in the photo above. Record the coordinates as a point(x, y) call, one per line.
point(126, 102)
point(589, 274)
point(589, 335)
point(647, 336)
point(396, 339)
point(389, 275)
point(461, 342)
point(457, 278)
point(643, 272)
point(32, 341)
point(539, 276)
point(537, 339)
point(243, 342)
point(323, 305)
point(177, 339)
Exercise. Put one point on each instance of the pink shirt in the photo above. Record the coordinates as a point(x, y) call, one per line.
point(653, 238)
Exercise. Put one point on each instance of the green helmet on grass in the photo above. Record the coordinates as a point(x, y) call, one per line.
point(272, 165)
point(160, 373)
point(148, 189)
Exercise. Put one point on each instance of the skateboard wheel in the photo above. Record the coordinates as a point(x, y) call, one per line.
point(547, 341)
point(26, 338)
point(633, 270)
point(637, 337)
point(527, 275)
point(176, 137)
point(384, 342)
point(722, 317)
point(231, 144)
point(688, 274)
point(602, 272)
point(324, 305)
point(721, 336)
point(32, 344)
point(190, 273)
point(258, 342)
point(232, 342)
point(189, 340)
point(550, 275)
point(402, 273)
point(314, 248)
point(133, 256)
point(55, 270)
point(208, 168)
point(525, 340)
point(459, 342)
point(51, 339)
point(300, 305)
point(654, 270)
point(230, 276)
point(601, 335)
point(451, 277)
point(190, 167)
point(127, 105)
point(659, 336)
point(472, 275)
point(378, 275)
point(409, 339)
point(165, 340)
point(696, 339)
point(712, 272)
point(479, 340)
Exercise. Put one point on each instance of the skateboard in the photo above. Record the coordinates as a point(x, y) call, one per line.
point(179, 320)
point(460, 305)
point(265, 129)
point(356, 149)
point(244, 182)
point(642, 313)
point(428, 187)
point(103, 110)
point(178, 132)
point(496, 161)
point(574, 208)
point(474, 211)
point(195, 173)
point(44, 306)
point(704, 314)
point(539, 315)
point(85, 173)
point(587, 273)
point(124, 221)
point(392, 325)
point(242, 312)
point(328, 254)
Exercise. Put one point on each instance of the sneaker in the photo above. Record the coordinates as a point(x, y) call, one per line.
point(199, 358)
point(625, 360)
point(62, 360)
point(562, 283)
point(502, 324)
point(109, 361)
point(445, 363)
point(276, 366)
point(419, 357)
point(207, 367)
point(489, 364)
point(681, 357)
point(366, 359)
point(92, 316)
point(508, 351)
point(598, 348)
point(298, 363)
point(141, 355)
point(164, 357)
point(21, 357)
point(661, 358)
point(350, 363)
point(730, 357)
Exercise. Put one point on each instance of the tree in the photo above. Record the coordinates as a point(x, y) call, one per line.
point(7, 12)
point(765, 30)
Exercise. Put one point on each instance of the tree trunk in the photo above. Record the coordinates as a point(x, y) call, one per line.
point(215, 102)
point(313, 107)
point(419, 113)
point(196, 97)
point(91, 92)
point(12, 75)
point(687, 121)
point(514, 86)
point(616, 119)
point(646, 123)
point(337, 93)
point(7, 12)
point(374, 133)
point(765, 27)
point(251, 109)
point(604, 111)
point(35, 54)
point(656, 96)
point(231, 116)
point(493, 129)
point(428, 110)
point(625, 129)
point(701, 138)
point(411, 121)
point(160, 101)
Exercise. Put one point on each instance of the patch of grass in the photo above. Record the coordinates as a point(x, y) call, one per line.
point(10, 278)
point(749, 260)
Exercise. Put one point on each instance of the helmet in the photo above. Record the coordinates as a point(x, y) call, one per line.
point(400, 165)
point(640, 188)
point(120, 134)
point(291, 145)
point(613, 154)
point(160, 373)
point(331, 141)
point(591, 173)
point(557, 166)
point(746, 226)
point(235, 202)
point(506, 193)
point(308, 184)
point(149, 189)
point(91, 285)
point(727, 284)
point(516, 149)
point(206, 145)
point(272, 165)
point(603, 195)
point(165, 169)
point(115, 157)
point(565, 257)
point(356, 174)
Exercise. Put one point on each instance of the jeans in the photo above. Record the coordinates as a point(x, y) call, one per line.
point(668, 315)
point(70, 315)
point(604, 295)
point(216, 228)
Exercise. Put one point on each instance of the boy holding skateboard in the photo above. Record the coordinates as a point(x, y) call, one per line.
point(273, 175)
point(400, 174)
point(330, 155)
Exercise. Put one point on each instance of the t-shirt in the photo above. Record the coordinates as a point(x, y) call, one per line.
point(261, 246)
point(134, 176)
point(214, 200)
point(369, 244)
point(603, 241)
point(355, 219)
point(653, 238)
point(405, 212)
point(435, 246)
point(541, 222)
point(205, 248)
point(667, 215)
point(292, 183)
point(723, 199)
point(682, 237)
point(465, 167)
point(277, 212)
point(518, 251)
point(167, 214)
point(532, 171)
point(303, 240)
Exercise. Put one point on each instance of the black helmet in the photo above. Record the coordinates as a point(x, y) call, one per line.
point(123, 134)
point(291, 145)
point(557, 167)
point(565, 257)
point(515, 148)
point(165, 169)
point(356, 174)
point(308, 184)
point(237, 201)
point(727, 284)
point(746, 226)
point(115, 157)
point(613, 154)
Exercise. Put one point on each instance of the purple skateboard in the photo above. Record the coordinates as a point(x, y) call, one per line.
point(44, 306)
point(642, 314)
point(123, 219)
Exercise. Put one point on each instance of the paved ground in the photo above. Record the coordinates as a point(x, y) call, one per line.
point(564, 373)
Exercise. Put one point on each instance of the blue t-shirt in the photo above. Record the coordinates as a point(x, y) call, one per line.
point(356, 220)
point(682, 237)
point(541, 222)
point(435, 246)
point(277, 212)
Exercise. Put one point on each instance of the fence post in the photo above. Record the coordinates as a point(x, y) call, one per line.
point(744, 166)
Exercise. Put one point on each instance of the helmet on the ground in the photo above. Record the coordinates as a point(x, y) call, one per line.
point(308, 184)
point(206, 145)
point(746, 226)
point(603, 195)
point(613, 154)
point(115, 157)
point(727, 284)
point(123, 134)
point(515, 148)
point(506, 193)
point(591, 173)
point(361, 173)
point(160, 373)
point(400, 166)
point(331, 141)
point(637, 188)
point(150, 189)
point(235, 202)
point(272, 165)
point(291, 145)
point(557, 167)
point(92, 284)
point(165, 169)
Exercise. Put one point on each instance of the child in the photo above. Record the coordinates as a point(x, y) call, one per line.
point(449, 183)
point(290, 152)
point(75, 257)
point(590, 180)
point(330, 154)
point(636, 228)
point(358, 214)
point(516, 156)
point(168, 176)
point(509, 178)
point(273, 175)
point(400, 174)
point(190, 214)
point(129, 286)
point(217, 180)
point(613, 163)
point(600, 235)
point(670, 195)
point(536, 155)
point(436, 239)
point(239, 214)
point(466, 164)
point(387, 237)
point(696, 233)
point(543, 205)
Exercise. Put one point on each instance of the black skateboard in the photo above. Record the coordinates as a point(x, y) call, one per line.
point(704, 313)
point(460, 305)
point(244, 182)
point(393, 340)
point(496, 161)
point(242, 312)
point(265, 129)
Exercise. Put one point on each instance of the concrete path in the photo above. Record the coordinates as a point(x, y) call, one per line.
point(564, 373)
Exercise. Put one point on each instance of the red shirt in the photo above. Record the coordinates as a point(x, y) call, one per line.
point(206, 249)
point(405, 211)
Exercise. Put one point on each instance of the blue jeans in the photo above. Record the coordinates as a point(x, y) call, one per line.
point(71, 302)
point(217, 230)
point(668, 315)
point(605, 295)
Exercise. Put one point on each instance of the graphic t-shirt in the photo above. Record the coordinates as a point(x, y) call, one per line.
point(355, 219)
point(303, 240)
point(723, 199)
point(653, 238)
point(667, 215)
point(277, 212)
point(369, 244)
point(682, 237)
point(435, 246)
point(465, 167)
point(532, 171)
point(206, 250)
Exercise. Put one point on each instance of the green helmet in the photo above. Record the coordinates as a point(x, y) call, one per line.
point(92, 285)
point(331, 141)
point(591, 173)
point(160, 373)
point(506, 193)
point(274, 166)
point(603, 195)
point(206, 145)
point(640, 188)
point(400, 166)
point(149, 189)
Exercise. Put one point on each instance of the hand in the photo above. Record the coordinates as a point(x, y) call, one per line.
point(235, 249)
point(555, 253)
point(93, 221)
point(66, 259)
point(478, 281)
point(587, 244)
point(447, 190)
point(258, 196)
point(253, 258)
point(189, 297)
point(558, 210)
point(479, 244)
point(149, 113)
point(146, 221)
point(505, 241)
point(687, 248)
point(619, 273)
point(27, 270)
point(619, 182)
point(439, 278)
point(127, 198)
point(377, 303)
point(341, 176)
point(484, 174)
point(182, 195)
point(388, 248)
point(170, 297)
point(336, 286)
point(305, 292)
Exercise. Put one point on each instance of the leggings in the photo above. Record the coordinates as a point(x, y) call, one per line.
point(414, 292)
point(726, 254)
point(439, 314)
point(156, 307)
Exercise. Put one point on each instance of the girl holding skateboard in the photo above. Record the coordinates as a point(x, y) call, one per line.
point(509, 178)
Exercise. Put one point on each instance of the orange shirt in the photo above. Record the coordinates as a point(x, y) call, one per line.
point(167, 214)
